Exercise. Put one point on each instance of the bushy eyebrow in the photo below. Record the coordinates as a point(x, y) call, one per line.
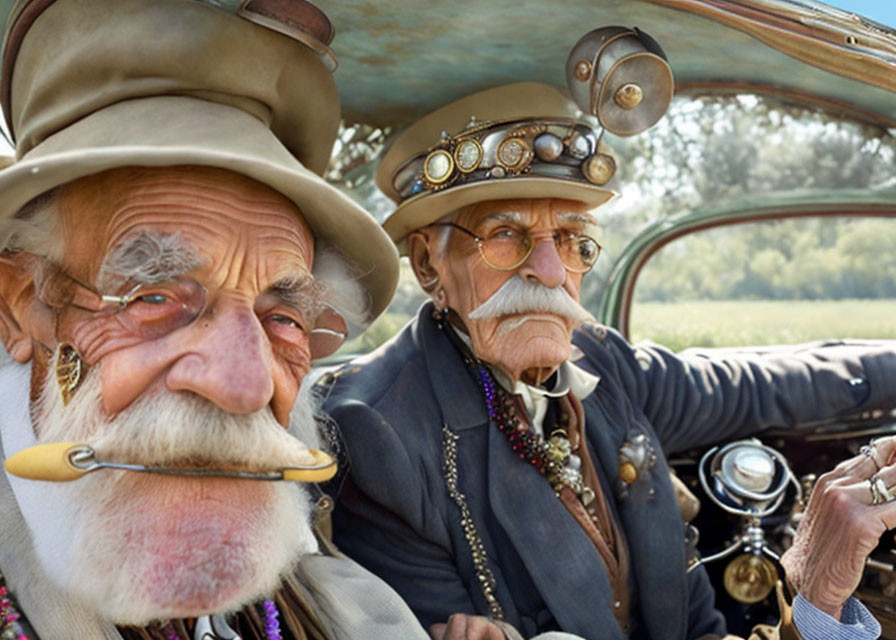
point(517, 217)
point(503, 216)
point(576, 217)
point(298, 291)
point(148, 258)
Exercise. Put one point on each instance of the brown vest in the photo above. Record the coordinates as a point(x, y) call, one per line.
point(595, 518)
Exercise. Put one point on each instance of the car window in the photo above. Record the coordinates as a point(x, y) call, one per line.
point(774, 282)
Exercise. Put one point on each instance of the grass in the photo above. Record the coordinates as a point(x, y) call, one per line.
point(722, 323)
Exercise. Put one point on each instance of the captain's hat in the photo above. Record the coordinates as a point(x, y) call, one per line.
point(528, 140)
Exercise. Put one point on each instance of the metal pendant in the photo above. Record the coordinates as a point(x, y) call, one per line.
point(636, 456)
point(565, 468)
point(214, 627)
point(587, 496)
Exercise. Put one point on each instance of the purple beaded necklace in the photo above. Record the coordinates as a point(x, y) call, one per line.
point(271, 624)
point(527, 444)
point(9, 616)
point(553, 458)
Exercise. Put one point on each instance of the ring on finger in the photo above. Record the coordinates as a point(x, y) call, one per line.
point(879, 491)
point(869, 451)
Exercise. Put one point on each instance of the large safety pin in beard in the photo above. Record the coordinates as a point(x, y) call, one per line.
point(67, 461)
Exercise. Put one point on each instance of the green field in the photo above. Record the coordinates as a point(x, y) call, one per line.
point(679, 325)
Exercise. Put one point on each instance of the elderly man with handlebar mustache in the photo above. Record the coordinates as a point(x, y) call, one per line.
point(171, 263)
point(507, 453)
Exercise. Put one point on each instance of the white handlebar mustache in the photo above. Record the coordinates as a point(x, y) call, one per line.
point(519, 296)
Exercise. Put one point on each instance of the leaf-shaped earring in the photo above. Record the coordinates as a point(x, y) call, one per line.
point(69, 369)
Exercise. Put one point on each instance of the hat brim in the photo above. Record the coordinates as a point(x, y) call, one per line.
point(169, 131)
point(426, 208)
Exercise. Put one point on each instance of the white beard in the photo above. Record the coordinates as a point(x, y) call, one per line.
point(136, 547)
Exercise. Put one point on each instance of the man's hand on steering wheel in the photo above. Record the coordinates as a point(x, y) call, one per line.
point(850, 508)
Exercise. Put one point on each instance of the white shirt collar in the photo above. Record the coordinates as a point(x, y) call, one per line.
point(569, 379)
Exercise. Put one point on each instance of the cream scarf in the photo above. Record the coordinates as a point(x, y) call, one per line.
point(53, 614)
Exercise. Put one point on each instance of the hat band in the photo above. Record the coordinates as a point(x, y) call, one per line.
point(552, 148)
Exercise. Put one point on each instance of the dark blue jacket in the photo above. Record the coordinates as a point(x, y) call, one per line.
point(396, 517)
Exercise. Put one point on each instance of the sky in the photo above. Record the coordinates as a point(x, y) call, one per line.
point(883, 11)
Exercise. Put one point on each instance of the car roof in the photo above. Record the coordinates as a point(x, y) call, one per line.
point(400, 59)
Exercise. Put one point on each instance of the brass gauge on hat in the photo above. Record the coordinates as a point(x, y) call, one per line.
point(467, 155)
point(438, 167)
point(514, 154)
point(599, 168)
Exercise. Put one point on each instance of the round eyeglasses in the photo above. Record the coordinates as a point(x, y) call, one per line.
point(507, 248)
point(150, 311)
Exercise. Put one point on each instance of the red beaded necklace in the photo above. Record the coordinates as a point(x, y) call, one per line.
point(10, 627)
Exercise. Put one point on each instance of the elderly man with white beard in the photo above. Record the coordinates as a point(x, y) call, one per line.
point(506, 452)
point(171, 263)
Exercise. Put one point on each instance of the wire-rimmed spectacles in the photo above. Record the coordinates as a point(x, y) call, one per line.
point(507, 248)
point(152, 310)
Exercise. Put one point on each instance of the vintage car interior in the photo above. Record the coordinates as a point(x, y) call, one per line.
point(760, 210)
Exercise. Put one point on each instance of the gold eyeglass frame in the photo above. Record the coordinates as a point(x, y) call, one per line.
point(481, 241)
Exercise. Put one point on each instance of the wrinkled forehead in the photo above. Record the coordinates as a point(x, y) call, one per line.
point(212, 211)
point(526, 212)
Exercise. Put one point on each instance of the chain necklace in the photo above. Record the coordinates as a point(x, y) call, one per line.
point(553, 459)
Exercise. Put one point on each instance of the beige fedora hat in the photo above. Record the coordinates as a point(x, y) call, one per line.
point(90, 85)
point(526, 140)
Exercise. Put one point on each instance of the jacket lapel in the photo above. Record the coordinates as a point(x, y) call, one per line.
point(650, 521)
point(453, 382)
point(562, 561)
